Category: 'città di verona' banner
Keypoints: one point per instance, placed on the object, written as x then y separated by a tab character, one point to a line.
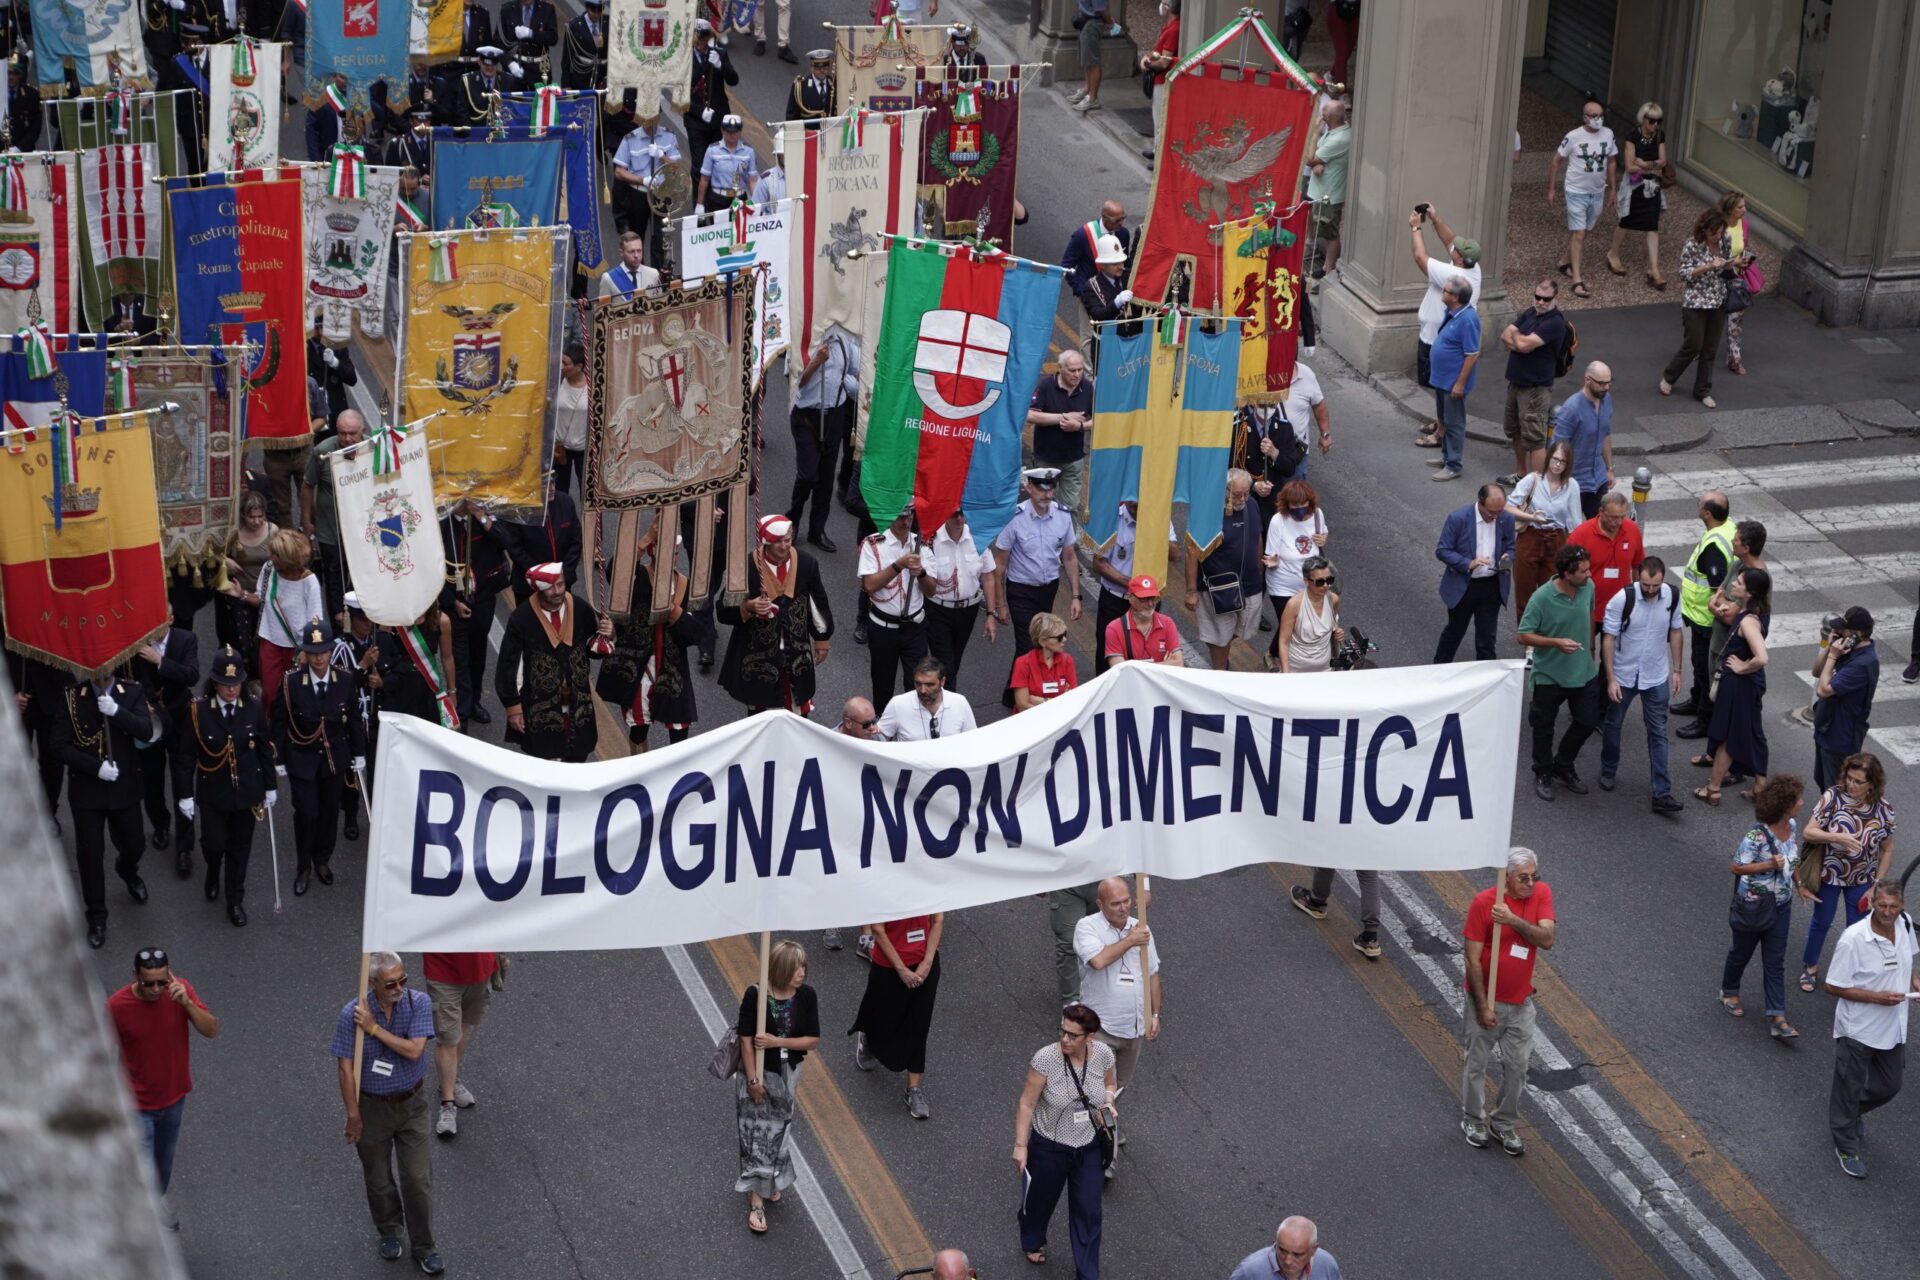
774	822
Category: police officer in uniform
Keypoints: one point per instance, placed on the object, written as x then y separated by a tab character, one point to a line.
964	62
473	99
583	51
223	774
94	733
812	95
707	95
640	164
727	170
317	734
360	660
893	577
1032	554
168	668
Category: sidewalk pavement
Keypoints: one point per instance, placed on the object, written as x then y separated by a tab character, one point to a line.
1807	383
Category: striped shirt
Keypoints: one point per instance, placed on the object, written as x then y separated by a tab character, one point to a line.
382	1071
1058	1114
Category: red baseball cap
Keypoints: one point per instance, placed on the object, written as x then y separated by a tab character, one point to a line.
1144	587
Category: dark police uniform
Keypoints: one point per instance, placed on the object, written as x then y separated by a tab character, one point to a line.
317	733
223	760
85	739
170	682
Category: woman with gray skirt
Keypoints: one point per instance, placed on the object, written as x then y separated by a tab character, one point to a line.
763	1092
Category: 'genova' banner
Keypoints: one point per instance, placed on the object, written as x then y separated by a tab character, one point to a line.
776	823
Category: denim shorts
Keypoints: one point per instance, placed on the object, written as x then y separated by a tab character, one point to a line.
1583	209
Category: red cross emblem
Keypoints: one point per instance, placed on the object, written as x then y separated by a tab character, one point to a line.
968	352
675	375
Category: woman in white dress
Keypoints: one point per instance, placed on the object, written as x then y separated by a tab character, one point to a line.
1310	626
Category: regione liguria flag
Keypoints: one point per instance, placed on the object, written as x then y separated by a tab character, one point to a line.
384	489
958	354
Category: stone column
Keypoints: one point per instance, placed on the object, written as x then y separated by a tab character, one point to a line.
1450	142
1858	261
1051	38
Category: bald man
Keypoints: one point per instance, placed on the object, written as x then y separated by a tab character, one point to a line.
1585	420
1084	245
1111	982
951	1264
1295	1255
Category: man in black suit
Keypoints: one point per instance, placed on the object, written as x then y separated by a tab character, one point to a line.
319	741
95	731
478	571
556	540
532	26
583	58
473	97
707	95
129	321
223	774
23	105
169	668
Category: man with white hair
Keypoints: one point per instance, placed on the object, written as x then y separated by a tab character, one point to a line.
386	1110
952	1264
1296	1253
1504	1015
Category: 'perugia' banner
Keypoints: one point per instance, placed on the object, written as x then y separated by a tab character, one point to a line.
1233	139
1260	279
240	276
960	350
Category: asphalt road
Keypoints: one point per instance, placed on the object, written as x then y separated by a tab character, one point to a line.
1293	1075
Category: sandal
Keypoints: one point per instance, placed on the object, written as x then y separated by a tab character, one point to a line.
1657	282
1747	794
1707	402
1781	1031
1566	268
1709	794
1701	762
1734	366
1427	442
1808	977
1611	266
757	1220
1580	289
1732	1005
1038	1257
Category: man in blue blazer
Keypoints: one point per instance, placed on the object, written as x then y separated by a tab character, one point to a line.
1476	545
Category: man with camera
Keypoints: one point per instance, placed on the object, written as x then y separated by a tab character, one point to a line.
1845	679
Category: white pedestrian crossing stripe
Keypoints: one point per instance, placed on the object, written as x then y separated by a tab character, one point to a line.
1772	478
1902	742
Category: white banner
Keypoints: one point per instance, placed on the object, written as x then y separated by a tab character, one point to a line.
388	531
347	246
707	248
122	188
243	109
774	822
650	50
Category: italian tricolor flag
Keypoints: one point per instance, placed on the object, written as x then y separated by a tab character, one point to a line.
962	341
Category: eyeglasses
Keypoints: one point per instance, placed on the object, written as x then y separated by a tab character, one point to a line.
1543	297
1320	582
150	958
1067	1033
1601	382
151	984
1653	119
862	724
1525	877
933	726
395	984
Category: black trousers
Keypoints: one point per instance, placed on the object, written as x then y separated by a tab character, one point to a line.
226	842
1864	1080
1108	607
53	774
350	806
817	435
91	827
316	819
1701	639
162	816
333	578
1585	706
185	600
1024	600
470	652
1480	606
892	652
948	630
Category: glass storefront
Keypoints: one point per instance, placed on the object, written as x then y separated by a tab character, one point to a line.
1757	77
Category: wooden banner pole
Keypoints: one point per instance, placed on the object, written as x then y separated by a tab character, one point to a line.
766	957
1141	886
359	1032
1493	959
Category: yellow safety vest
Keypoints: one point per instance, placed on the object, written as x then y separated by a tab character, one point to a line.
1695	591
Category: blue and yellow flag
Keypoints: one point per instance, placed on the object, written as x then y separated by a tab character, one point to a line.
486	179
1163	433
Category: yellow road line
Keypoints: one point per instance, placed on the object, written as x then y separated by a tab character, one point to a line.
1745	1203
1611	1244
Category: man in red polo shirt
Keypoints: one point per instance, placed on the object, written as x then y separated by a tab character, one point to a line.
150	1017
1526	929
461	985
1614	543
1143	632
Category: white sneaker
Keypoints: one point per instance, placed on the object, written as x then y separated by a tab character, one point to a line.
462	1096
861	1058
1076	95
1085	105
449	1122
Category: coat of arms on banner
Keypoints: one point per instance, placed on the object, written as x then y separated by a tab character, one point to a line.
194	467
709	246
650	49
391	541
243	105
1260	276
673	395
867	64
477	377
968	169
40	272
390	522
347	246
100	39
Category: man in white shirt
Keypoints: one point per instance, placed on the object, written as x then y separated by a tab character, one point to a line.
957	576
1872	978
892	575
1593	164
929	711
1306	411
1108	944
1461	259
1640	657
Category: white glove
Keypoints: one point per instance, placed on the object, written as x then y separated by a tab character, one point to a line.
523	33
713	56
108	704
329	359
109	771
187	809
271	796
655	150
1123	298
357	763
176	5
280	770
1308	351
516	70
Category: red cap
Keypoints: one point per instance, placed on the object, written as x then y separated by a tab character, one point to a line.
1144	587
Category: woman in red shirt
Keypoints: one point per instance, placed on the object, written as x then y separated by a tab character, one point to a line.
896	1012
1045	671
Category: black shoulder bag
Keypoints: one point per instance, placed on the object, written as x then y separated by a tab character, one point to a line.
1106	1126
1755	916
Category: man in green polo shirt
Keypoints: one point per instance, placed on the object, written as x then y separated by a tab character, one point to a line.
1558	627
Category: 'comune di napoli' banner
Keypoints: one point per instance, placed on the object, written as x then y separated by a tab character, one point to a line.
776	823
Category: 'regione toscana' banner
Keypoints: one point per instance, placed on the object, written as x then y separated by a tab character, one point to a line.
774	822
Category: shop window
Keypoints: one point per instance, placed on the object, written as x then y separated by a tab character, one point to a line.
1756	100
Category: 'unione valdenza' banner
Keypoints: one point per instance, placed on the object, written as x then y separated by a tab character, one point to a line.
776	823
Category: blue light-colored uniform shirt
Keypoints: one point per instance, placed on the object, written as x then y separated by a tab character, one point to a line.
770	187
729	170
382	1071
1585	425
1034	543
838	376
634	153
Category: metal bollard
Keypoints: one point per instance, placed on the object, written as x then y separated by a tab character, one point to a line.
1642	488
